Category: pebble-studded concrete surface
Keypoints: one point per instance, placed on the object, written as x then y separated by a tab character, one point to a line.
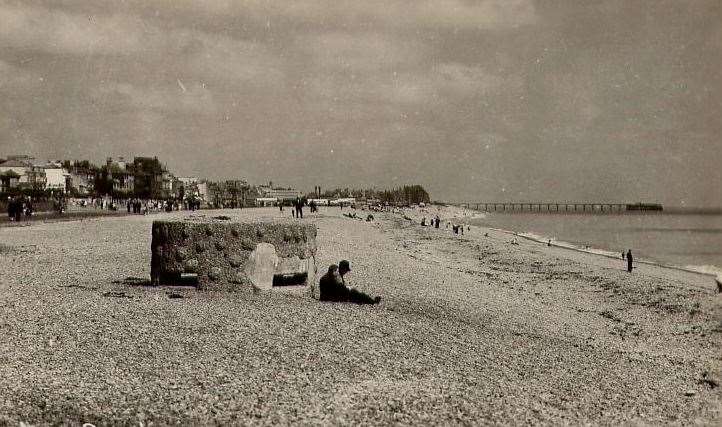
471	330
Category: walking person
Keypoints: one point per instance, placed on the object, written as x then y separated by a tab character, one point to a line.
11	208
19	207
630	259
299	207
29	207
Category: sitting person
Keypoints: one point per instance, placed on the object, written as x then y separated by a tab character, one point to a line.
333	287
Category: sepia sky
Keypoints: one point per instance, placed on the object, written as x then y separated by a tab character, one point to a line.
485	100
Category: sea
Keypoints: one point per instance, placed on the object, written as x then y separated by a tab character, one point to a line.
687	239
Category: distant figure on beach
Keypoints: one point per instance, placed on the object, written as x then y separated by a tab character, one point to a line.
624	256
436	221
299	207
630	259
280	206
333	287
423	221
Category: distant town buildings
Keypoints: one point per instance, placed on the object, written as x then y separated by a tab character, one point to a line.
144	178
278	193
16	172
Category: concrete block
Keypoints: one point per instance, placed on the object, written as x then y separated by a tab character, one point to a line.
227	255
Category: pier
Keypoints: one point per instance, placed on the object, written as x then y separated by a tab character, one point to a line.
560	207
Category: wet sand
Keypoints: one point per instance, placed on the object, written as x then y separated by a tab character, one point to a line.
471	329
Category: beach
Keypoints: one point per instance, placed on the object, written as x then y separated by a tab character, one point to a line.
471	329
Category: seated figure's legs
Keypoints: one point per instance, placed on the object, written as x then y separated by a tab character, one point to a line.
358	297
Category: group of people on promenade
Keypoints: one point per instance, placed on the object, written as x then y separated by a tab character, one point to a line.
19	206
22	206
297	207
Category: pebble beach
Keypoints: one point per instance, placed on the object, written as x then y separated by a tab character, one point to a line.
471	329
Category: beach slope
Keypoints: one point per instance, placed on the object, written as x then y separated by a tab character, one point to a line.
471	329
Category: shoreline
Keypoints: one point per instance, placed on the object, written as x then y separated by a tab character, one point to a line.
702	269
599	252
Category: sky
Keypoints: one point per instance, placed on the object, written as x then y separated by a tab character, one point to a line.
489	100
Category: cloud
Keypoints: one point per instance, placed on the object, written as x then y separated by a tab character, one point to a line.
458	14
37	28
469	80
359	52
220	58
14	78
179	52
195	98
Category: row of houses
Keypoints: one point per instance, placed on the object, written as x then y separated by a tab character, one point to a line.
143	177
23	172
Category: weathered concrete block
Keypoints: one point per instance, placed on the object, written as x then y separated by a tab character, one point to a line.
233	255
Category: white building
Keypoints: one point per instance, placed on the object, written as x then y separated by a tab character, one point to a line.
346	201
56	178
271	192
203	192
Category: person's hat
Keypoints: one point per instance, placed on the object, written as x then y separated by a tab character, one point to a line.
344	265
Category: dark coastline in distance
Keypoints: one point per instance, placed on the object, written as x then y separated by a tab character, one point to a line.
668	210
681	210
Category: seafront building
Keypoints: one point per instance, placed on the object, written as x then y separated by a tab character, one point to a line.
143	178
269	195
17	172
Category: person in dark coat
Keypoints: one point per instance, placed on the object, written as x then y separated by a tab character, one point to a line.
18	211
299	207
332	287
11	208
630	259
